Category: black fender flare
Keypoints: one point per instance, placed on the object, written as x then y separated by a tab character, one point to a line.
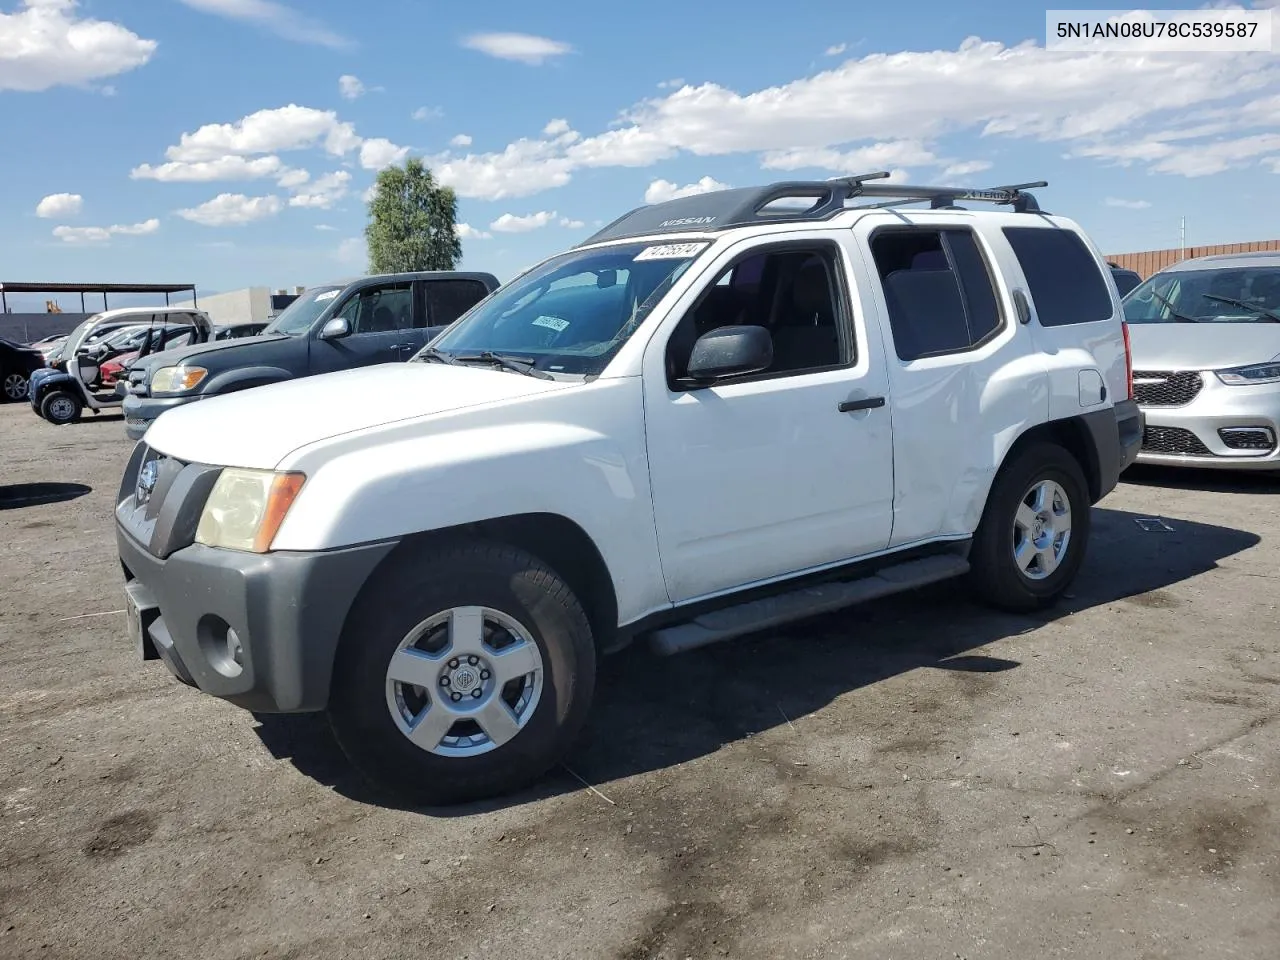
244	378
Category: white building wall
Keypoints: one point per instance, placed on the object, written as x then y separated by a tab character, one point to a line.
250	305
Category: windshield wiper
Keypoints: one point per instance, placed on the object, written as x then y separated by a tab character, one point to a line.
1173	311
431	353
515	364
1244	305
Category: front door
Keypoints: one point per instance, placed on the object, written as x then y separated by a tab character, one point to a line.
381	319
781	472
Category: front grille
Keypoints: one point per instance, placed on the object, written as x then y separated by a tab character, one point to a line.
1173	440
1248	438
1167	389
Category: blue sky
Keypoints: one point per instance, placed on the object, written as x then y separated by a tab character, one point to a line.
216	141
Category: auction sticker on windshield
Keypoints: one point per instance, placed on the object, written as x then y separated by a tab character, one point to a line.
671	251
555	323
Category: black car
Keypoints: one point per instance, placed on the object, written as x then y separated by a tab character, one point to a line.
16	365
376	319
1125	280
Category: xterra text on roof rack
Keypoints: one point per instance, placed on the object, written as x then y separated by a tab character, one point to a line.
717	414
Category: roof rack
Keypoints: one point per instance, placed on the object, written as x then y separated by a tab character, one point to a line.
747	206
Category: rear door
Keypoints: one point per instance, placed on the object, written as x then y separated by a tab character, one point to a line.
381	317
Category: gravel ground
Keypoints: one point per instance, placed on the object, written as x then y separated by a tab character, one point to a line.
916	778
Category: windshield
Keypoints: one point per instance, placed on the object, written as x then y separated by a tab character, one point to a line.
574	312
1230	295
297	318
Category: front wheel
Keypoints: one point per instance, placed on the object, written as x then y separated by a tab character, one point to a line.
61	407
463	673
1034	530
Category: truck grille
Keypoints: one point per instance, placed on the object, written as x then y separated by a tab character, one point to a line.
1167	389
1173	440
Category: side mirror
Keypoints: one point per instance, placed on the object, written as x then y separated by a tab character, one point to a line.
335	329
730	352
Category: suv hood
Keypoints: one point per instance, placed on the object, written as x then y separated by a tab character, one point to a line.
260	427
1202	346
166	358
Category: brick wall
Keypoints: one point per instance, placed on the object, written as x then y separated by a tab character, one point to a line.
1153	261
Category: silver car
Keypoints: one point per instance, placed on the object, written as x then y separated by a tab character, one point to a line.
1205	337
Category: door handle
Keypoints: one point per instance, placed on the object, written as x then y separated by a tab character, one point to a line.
870	403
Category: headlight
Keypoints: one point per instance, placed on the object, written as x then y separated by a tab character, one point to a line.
1254	373
246	507
177	379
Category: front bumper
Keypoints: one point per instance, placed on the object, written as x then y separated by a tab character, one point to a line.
259	630
141	412
1209	430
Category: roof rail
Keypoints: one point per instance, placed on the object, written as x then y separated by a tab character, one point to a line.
746	206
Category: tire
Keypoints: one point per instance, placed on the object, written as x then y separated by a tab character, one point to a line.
61	407
996	576
13	386
371	714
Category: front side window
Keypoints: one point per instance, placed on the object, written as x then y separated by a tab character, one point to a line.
1224	295
382	309
572	313
937	288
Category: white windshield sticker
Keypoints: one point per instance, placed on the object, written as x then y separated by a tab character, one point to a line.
327	295
555	323
671	251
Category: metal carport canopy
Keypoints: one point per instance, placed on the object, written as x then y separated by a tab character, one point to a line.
102	288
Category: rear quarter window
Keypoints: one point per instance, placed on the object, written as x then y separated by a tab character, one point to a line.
447	300
1065	281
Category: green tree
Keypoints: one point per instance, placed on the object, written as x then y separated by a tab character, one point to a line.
412	222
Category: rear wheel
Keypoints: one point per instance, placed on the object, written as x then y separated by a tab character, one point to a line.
1034	530
14	386
61	407
463	675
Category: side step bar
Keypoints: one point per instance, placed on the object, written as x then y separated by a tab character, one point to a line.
804	602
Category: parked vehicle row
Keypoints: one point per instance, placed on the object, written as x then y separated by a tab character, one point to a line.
713	416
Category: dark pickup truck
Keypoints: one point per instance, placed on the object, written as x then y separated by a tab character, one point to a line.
375	319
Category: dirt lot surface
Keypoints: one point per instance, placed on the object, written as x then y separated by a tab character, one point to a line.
918	778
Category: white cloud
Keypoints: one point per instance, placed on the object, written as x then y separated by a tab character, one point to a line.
369	193
911	100
59	205
509	223
326	227
323	192
45	44
268	131
1127	204
350	88
671	84
461	140
520	47
232	209
380	152
875	156
660	191
571	224
352	252
292	179
466	231
279	19
558	128
230	167
966	167
837	49
428	113
103	234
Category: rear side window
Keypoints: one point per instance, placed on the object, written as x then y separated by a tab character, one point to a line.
447	300
1065	281
938	290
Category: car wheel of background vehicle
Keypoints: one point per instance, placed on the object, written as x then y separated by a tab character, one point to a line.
463	673
1034	530
61	407
15	386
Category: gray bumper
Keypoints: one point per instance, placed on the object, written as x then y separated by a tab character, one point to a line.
287	611
141	412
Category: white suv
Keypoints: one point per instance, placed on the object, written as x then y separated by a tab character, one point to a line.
717	414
